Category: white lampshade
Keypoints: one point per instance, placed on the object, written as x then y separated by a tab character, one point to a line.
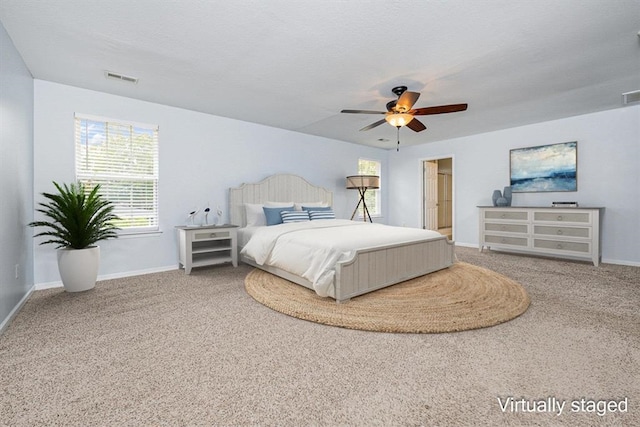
398	119
363	181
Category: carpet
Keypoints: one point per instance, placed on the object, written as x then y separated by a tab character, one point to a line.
459	298
175	349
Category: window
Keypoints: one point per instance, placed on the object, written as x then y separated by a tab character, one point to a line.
371	197
123	158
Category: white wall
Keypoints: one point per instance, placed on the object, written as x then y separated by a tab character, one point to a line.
16	176
201	156
608	175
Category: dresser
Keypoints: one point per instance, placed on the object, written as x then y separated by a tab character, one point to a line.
559	232
207	245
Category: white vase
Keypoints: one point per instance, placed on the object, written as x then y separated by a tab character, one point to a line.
79	268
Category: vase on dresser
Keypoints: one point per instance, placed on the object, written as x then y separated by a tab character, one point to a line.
507	194
496	195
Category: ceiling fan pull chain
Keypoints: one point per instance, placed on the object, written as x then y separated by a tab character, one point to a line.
398	146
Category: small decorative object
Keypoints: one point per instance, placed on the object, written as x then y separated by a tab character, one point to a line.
206	215
564	204
191	219
219	212
502	202
496	195
507	194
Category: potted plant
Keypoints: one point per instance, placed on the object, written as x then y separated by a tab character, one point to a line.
78	219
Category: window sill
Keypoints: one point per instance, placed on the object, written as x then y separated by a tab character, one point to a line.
136	234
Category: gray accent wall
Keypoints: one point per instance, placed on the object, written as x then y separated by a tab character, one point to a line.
16	178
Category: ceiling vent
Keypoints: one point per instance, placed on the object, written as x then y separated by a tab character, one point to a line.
631	97
121	77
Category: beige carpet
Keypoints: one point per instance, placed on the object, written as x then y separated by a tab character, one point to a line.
458	298
169	349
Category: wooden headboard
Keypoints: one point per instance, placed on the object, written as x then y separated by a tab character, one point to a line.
275	188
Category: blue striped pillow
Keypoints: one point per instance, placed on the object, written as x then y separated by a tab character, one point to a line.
324	214
273	214
294	216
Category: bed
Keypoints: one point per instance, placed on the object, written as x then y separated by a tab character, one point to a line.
365	257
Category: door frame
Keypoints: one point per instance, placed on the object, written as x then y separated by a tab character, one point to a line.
453	190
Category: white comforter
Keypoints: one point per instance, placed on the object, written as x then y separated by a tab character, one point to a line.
311	249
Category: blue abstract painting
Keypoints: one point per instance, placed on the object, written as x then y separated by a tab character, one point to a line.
551	167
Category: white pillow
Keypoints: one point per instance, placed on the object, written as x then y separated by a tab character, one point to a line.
255	215
298	206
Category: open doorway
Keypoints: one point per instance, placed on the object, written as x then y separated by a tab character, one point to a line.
438	196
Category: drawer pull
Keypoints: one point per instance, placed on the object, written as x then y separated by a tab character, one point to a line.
559	246
503	216
559	217
559	232
213	234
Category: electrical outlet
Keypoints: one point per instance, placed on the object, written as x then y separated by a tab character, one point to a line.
17	268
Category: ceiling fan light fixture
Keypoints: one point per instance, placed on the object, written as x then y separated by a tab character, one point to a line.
398	119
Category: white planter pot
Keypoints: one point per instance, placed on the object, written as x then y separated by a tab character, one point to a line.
79	268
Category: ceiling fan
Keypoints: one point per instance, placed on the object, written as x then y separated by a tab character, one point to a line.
400	112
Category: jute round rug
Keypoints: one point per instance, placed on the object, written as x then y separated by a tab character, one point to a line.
458	298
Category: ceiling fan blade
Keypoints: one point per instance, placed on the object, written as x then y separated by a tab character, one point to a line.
363	112
440	109
416	125
406	101
373	125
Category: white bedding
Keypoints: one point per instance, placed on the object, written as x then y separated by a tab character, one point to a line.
311	249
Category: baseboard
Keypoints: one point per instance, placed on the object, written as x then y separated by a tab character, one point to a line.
16	309
58	284
603	260
466	245
137	272
618	262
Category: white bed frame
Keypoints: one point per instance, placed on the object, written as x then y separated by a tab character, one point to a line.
370	268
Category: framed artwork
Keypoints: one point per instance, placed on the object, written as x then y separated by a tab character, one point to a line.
550	168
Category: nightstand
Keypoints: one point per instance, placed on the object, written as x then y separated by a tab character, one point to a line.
207	245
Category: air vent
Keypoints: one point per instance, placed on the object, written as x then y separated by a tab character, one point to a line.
122	77
631	97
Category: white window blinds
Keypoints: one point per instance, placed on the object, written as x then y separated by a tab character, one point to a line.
123	158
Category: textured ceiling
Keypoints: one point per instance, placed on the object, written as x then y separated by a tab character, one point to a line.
296	64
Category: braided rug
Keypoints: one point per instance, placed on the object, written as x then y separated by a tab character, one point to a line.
458	298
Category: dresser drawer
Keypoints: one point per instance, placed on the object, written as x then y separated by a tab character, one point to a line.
580	217
558	245
507	228
211	235
506	240
506	214
548	230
